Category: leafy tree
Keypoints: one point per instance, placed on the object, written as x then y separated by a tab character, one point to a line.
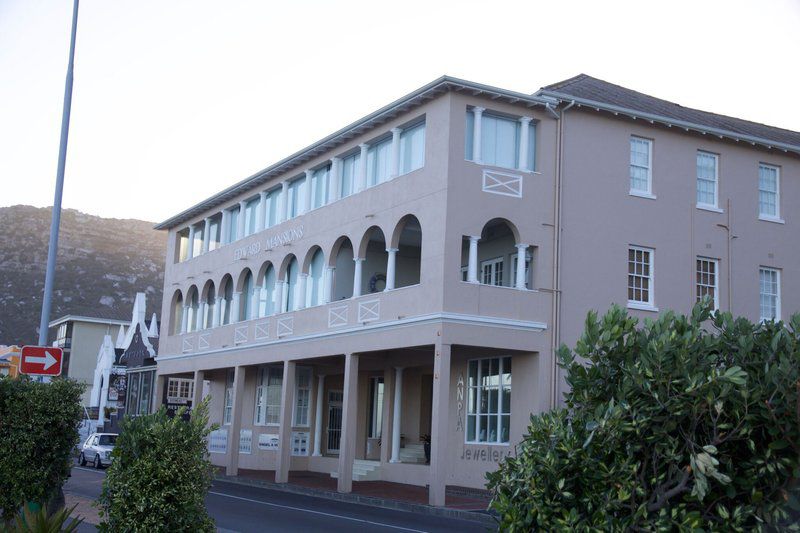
159	475
38	431
686	423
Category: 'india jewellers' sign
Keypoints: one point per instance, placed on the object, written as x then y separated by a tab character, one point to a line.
272	241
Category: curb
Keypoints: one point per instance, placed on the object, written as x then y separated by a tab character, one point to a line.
484	517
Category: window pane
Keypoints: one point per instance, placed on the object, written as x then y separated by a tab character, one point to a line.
499	141
469	134
349	166
412	148
378	162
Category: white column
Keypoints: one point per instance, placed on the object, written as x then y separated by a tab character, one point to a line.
472	266
328	291
256	302
336	179
397	412
361	177
357	277
237	296
300	291
225	227
390	268
394	166
307	192
283	203
318	416
262	202
206	234
185	319
190	253
280	288
200	314
476	134
522	250
523	143
240	229
284	455
215	314
440	424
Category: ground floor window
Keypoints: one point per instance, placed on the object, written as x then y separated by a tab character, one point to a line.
302	396
180	390
268	396
769	293
375	407
227	410
706	280
140	392
489	400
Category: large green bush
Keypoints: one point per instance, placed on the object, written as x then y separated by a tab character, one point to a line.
38	430
159	475
687	422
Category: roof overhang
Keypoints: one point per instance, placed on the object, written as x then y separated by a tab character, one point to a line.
670	122
415	99
91	320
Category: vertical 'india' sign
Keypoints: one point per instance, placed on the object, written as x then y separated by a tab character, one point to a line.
272	241
460	402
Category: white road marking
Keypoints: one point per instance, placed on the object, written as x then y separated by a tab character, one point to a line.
317	512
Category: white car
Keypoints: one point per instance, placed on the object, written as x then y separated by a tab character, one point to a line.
97	449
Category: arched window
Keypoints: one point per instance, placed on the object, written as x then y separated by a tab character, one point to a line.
246	302
343	265
193	309
226	291
266	304
407	248
289	294
177	313
373	269
210	302
497	257
314	284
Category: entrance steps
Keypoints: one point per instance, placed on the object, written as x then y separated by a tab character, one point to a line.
364	470
413	453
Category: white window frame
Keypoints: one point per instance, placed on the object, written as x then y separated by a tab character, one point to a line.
715	287
261	405
296	409
777	295
499	413
180	389
765	216
702	205
493	263
648	193
648	305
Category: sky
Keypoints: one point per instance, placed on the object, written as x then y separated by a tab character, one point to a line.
176	100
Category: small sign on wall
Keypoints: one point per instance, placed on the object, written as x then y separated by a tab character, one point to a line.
218	441
268	441
300	443
246	441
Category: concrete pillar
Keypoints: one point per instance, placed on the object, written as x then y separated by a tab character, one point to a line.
394	161
190	252
397	413
199	379
235	304
524	123
391	262
472	265
285	433
307	192
347	448
283	202
439	423
225	227
240	229
185	319
327	284
262	203
206	234
300	291
361	175
216	312
522	251
318	415
158	394
357	276
236	421
336	179
476	134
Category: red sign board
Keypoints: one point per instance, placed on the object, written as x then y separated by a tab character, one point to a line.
41	360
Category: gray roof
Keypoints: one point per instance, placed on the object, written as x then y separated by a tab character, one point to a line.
589	90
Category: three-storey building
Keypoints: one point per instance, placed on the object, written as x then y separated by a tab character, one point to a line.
378	289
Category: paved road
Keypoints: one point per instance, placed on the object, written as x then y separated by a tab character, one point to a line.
244	509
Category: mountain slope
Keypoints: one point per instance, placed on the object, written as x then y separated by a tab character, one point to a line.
102	263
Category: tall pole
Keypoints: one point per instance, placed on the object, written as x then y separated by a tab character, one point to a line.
62	161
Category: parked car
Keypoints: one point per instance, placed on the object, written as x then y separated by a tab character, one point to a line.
97	449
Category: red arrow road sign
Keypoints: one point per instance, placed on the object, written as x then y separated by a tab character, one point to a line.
41	360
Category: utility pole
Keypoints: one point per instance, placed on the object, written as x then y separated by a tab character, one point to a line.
52	250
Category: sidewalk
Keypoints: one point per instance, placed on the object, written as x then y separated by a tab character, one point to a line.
84	510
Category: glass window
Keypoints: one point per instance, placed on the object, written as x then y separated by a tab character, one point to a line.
768	191
320	182
292	272
770	294
227	301
233	224
640	165
499	141
376	407
214	226
489	400
302	396
492	272
271	217
412	148
706	179
183	245
197	241
378	162
268	396
227	410
266	303
640	276
706	280
246	299
250	210
134	379
349	169
179	390
146	393
295	198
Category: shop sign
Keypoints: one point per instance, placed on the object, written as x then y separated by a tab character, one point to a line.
272	241
268	441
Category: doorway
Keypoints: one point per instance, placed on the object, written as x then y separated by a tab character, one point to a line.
335	398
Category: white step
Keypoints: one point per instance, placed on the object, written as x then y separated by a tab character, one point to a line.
364	470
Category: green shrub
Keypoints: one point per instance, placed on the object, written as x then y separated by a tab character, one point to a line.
159	475
38	431
29	521
670	426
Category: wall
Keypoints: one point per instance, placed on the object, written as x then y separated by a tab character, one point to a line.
87	338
